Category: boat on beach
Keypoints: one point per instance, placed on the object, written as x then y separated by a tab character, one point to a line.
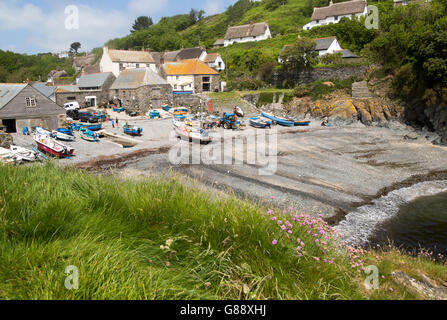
193	134
133	130
63	134
298	122
259	123
49	145
89	135
278	120
92	127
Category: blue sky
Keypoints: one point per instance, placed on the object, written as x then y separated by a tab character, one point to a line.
31	26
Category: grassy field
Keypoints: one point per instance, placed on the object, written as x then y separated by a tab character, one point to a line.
157	239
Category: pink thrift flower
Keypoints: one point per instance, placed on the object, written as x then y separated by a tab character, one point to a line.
274	242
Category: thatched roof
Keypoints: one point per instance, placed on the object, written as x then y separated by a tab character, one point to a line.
339	9
248	30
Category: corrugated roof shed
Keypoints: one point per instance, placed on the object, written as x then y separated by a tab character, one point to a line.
339	9
188	67
93	80
135	78
248	30
9	91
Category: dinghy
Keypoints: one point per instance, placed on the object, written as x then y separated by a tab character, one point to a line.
63	134
24	154
278	120
49	145
298	122
259	123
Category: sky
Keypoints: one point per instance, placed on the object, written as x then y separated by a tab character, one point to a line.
31	26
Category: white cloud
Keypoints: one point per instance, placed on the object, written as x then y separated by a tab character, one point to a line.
213	6
143	7
46	30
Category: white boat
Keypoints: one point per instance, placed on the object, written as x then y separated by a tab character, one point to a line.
62	136
193	134
24	154
40	130
6	156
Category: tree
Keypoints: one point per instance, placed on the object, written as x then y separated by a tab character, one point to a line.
195	15
142	23
74	47
300	55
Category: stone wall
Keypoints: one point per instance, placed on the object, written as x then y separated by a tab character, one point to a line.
198	82
315	74
144	98
102	97
186	100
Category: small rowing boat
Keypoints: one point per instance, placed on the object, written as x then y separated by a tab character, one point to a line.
259	123
63	134
193	135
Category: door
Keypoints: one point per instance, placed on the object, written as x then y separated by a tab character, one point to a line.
10	125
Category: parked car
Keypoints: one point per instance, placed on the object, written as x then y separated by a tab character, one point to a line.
74	114
71	106
88	117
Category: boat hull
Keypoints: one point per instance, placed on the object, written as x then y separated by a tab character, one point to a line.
60	154
278	120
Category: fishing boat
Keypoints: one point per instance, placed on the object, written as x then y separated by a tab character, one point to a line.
40	130
23	154
259	123
49	145
178	123
89	135
76	126
278	120
119	110
166	107
153	114
63	134
180	111
133	130
196	135
298	122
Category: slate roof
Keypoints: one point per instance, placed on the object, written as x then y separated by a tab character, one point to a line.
9	91
42	87
188	67
67	88
190	53
324	43
248	30
131	56
135	78
339	9
91	69
93	80
346	54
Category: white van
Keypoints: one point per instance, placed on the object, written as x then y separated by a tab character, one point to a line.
71	106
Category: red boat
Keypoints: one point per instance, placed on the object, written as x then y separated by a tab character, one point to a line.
51	146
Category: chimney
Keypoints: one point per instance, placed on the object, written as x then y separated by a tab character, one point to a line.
162	60
331	3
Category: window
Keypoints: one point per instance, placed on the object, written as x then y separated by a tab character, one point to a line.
121	66
148	65
206	79
71	98
177	77
318	21
138	65
336	18
175	86
31	102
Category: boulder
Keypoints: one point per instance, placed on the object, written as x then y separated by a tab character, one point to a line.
5	140
342	112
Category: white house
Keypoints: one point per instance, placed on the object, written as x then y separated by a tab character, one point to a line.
247	33
116	61
215	61
327	45
335	12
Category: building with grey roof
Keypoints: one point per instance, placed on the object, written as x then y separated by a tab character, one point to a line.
247	33
139	90
22	105
47	90
92	90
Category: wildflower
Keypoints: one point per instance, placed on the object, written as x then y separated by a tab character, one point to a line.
269	212
289	231
283	227
274	242
272	198
291	209
391	289
274	218
279	222
317	259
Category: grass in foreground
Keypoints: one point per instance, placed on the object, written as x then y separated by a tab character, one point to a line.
155	239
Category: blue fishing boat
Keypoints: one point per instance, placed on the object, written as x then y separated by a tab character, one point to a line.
133	130
298	122
278	120
63	134
259	123
166	108
92	127
89	135
154	114
119	109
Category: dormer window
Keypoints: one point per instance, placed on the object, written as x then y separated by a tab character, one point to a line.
336	18
31	102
